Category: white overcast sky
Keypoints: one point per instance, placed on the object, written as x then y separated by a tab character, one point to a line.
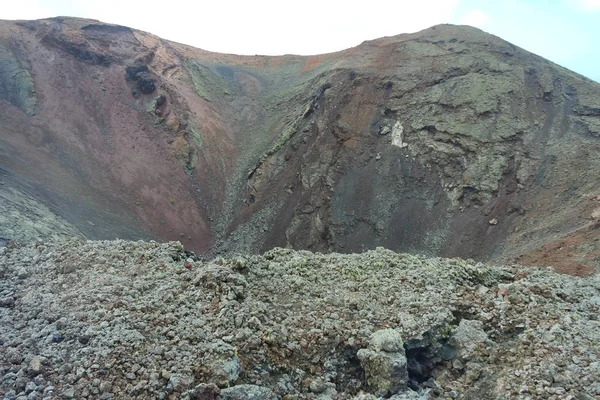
564	31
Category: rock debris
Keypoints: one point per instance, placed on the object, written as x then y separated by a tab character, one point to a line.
145	320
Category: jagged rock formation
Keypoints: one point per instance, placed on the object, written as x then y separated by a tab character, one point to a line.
448	141
140	320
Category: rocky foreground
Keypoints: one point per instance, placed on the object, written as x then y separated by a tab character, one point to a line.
139	320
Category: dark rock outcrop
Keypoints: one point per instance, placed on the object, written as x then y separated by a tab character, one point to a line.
141	75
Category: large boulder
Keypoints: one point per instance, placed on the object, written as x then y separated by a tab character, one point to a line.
468	337
384	362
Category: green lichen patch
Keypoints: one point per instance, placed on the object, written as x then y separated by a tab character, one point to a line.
16	84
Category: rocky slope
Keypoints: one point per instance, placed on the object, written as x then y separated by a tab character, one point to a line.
448	142
142	320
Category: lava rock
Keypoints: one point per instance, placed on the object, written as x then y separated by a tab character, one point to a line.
204	391
248	392
57	337
385	363
7	302
467	337
35	367
180	382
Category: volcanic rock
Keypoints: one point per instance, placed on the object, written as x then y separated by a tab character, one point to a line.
384	363
292	323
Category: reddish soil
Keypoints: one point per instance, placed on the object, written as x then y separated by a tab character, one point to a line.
570	255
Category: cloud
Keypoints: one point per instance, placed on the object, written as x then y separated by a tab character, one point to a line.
591	4
584	5
475	18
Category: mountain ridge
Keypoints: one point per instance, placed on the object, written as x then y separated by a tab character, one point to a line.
447	141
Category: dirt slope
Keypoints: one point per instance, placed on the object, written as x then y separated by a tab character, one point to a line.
449	141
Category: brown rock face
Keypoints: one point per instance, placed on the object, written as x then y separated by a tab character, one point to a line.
415	142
